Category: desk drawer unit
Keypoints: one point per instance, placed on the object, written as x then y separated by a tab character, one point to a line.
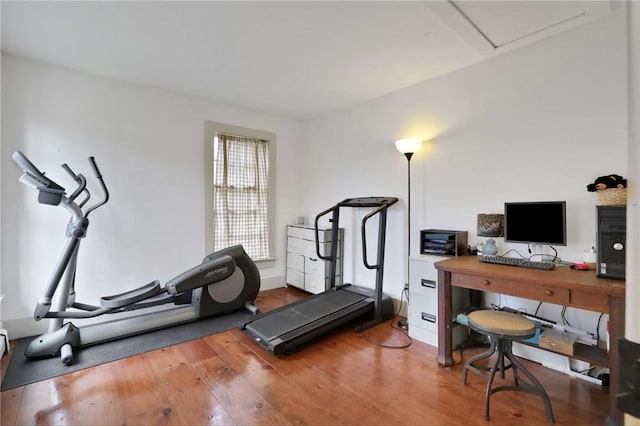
304	269
544	293
423	301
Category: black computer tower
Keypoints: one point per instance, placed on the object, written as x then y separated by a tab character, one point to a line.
612	230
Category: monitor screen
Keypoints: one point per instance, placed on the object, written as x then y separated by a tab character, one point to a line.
542	222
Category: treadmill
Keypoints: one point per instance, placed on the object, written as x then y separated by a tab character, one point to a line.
283	330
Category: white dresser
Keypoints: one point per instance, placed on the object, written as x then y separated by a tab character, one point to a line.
304	269
423	301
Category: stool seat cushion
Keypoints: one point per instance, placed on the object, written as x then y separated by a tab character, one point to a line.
503	323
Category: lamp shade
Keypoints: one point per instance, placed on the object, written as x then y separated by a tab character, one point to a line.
408	146
490	225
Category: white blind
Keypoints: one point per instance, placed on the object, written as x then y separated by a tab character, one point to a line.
241	194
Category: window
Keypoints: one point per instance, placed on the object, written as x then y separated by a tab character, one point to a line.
240	202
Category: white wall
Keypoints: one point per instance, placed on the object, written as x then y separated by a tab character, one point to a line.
149	145
539	123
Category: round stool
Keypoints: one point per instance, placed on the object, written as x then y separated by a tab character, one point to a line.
503	328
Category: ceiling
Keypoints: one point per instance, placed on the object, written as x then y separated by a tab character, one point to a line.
296	59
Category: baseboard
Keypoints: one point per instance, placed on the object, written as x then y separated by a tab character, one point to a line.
24	327
269	283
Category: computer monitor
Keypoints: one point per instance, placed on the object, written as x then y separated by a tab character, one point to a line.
539	222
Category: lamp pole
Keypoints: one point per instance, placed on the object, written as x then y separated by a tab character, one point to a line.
408	147
408	155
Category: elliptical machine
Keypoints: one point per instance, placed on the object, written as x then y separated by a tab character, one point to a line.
225	281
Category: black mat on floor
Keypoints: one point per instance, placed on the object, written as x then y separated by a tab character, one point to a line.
22	371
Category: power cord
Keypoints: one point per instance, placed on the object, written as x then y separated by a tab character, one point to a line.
598	328
563	317
538	308
392	322
402	323
554	257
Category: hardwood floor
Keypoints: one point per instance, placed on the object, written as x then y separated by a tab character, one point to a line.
342	378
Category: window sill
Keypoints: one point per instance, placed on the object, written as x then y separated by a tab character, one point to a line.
265	262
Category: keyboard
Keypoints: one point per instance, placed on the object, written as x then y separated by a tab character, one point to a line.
512	261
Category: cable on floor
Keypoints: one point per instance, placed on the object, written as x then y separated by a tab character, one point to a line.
392	323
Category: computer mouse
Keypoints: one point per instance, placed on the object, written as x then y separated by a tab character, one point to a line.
579	266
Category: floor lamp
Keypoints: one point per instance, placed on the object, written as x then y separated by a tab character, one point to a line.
408	147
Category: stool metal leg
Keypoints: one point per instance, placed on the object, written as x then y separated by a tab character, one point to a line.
492	375
537	387
503	349
509	355
501	339
502	367
469	364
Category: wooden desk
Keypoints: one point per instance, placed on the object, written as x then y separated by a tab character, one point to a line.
561	286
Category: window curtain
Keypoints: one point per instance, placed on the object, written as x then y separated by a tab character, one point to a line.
241	194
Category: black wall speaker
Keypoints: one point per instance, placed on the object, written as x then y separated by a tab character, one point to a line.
612	232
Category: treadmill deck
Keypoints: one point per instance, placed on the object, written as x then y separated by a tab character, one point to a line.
283	329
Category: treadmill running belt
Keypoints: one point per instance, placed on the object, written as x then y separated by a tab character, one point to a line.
287	327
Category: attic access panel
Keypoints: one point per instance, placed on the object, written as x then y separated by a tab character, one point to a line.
490	26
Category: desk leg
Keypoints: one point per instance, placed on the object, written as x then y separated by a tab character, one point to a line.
616	329
444	357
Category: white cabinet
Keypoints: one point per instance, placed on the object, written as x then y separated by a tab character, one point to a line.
304	269
423	301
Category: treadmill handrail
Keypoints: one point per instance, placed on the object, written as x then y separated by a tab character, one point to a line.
364	234
317	232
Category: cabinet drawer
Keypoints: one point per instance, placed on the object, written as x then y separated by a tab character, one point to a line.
310	234
423	278
426	321
590	300
314	285
295	262
423	302
426	270
324	235
296	232
310	249
314	266
295	245
550	294
423	312
295	278
424	286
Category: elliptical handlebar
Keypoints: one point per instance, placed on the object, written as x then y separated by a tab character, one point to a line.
82	185
94	166
50	191
66	167
96	171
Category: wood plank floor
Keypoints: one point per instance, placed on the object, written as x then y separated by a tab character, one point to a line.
341	379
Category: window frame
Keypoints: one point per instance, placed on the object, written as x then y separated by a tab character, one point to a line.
212	128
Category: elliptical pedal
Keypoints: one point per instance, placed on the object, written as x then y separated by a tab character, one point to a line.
132	296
